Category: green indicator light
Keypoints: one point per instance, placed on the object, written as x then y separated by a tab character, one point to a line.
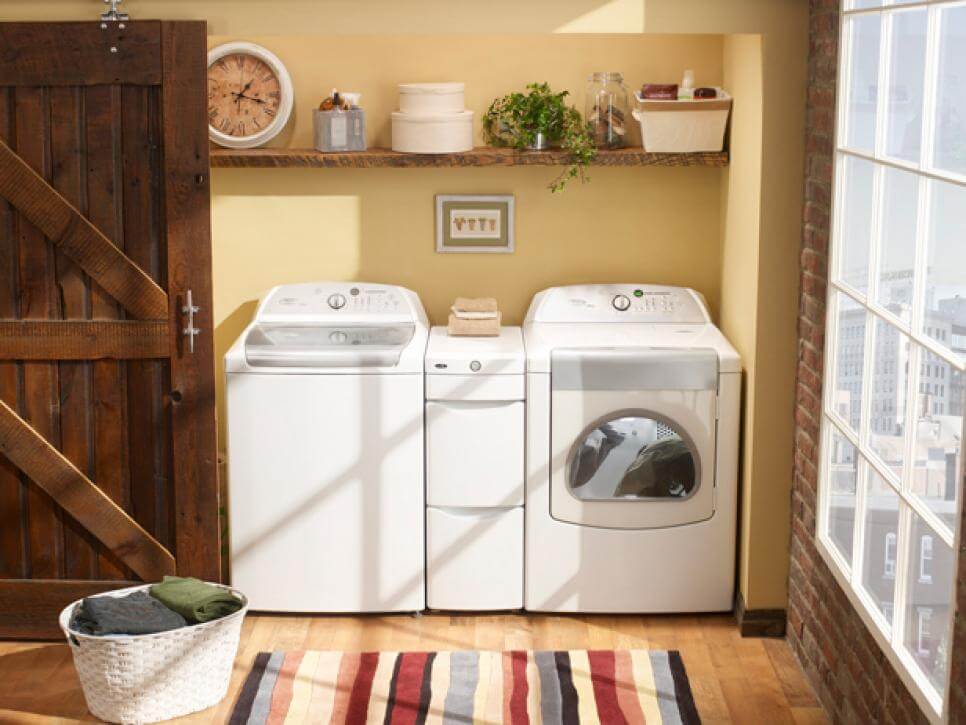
638	293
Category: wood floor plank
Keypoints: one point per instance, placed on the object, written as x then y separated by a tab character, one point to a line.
734	680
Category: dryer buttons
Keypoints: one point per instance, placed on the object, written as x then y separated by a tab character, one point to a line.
475	366
337	301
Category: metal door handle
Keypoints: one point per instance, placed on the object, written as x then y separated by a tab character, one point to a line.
191	332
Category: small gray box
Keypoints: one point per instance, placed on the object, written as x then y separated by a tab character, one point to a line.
340	130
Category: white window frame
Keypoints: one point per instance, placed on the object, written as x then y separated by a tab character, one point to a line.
889	637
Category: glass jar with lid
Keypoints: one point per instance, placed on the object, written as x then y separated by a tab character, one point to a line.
607	109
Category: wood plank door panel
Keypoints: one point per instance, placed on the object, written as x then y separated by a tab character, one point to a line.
107	431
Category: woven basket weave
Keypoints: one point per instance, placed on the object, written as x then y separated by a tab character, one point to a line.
151	677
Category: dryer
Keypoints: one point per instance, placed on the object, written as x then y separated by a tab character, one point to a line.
325	399
632	452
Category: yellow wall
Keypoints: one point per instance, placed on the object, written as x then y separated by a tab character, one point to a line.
732	234
766	279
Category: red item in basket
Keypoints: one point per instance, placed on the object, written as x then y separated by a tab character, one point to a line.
660	91
705	93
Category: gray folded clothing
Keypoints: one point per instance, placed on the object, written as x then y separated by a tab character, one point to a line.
137	613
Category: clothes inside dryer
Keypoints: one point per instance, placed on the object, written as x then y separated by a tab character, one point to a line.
632	457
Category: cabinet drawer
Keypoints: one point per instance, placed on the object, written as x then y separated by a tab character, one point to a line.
474	559
475	387
474	453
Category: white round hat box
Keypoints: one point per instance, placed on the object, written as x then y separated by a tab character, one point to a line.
431	98
441	133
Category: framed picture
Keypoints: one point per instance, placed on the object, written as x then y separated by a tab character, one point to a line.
474	223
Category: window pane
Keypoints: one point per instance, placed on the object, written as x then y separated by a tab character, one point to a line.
938	445
841	501
950	144
860	102
856	222
900	199
907	67
881	537
849	360
929	588
945	316
889	391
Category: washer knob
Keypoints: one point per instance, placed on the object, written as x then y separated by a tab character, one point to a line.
621	303
337	301
338	337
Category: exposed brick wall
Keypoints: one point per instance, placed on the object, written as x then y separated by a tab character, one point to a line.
851	676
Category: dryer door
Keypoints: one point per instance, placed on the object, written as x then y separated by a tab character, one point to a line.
633	437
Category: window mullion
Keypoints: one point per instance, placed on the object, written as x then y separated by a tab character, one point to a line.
928	138
909	425
899	618
882	88
858	533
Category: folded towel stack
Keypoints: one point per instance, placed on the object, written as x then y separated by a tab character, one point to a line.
175	602
474	317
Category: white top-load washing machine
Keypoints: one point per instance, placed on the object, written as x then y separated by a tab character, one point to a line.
632	452
325	450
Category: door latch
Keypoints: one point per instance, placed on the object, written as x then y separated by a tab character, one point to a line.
191	332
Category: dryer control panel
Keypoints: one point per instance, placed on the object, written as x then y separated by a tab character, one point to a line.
619	303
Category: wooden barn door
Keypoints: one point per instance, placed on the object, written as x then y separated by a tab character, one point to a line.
107	423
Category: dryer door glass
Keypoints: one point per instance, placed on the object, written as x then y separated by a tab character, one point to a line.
632	457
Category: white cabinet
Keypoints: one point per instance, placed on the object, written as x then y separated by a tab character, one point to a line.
475	431
474	453
474	558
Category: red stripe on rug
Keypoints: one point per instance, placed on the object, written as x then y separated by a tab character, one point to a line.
627	688
348	668
602	671
358	705
409	682
521	689
282	695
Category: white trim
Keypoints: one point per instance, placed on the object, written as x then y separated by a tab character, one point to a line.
284	106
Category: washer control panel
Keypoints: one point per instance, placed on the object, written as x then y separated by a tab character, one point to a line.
619	303
335	300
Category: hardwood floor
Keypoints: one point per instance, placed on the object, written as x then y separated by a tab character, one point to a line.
734	680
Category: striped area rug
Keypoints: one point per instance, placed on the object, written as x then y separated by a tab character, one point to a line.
412	688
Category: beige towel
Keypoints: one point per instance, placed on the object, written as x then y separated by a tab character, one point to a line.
479	304
459	327
464	315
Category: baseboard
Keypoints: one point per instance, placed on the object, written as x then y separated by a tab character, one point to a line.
759	622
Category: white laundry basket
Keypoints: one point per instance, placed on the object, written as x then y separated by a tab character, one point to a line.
151	677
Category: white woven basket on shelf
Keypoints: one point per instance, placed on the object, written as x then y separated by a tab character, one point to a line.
151	677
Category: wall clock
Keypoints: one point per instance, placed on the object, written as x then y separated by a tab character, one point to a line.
249	95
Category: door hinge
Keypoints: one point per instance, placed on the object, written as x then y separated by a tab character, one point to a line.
191	332
112	14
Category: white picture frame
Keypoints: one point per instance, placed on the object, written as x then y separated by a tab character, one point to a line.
475	223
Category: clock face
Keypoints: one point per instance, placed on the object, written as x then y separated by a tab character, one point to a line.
244	95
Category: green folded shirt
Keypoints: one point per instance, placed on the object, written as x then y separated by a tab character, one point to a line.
194	599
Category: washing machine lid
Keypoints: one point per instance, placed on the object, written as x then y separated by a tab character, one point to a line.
280	345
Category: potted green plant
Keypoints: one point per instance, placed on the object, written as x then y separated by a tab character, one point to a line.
538	120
